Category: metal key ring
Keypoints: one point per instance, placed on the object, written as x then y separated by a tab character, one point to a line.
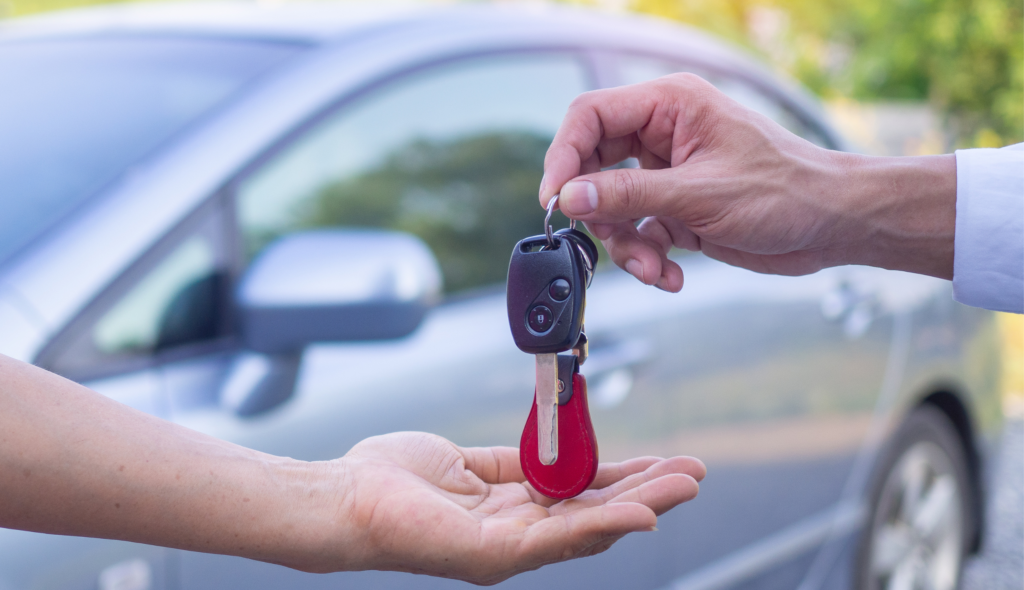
547	222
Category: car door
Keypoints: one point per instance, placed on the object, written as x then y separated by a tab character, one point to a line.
451	152
772	381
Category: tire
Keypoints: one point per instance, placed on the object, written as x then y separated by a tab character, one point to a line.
921	517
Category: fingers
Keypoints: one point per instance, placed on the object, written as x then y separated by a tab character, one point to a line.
494	465
635	255
645	256
659	113
663	493
691	466
570	535
650	160
670	276
609	473
622	194
603	231
612	150
602	115
652	484
670	230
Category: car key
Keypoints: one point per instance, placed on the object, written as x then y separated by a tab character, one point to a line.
546	299
546	296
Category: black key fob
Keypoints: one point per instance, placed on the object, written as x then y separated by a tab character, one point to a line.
546	294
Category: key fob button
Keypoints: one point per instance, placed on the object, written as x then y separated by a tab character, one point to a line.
540	318
559	289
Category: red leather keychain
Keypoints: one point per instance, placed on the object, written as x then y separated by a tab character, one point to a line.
576	466
548	277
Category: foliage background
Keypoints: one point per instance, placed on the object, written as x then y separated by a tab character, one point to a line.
965	57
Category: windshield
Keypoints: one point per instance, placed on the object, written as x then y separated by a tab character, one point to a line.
77	113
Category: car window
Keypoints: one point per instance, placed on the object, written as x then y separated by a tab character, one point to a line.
452	153
162	309
633	69
75	114
175	300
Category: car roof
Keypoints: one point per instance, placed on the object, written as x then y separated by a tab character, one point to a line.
308	22
324	23
334	23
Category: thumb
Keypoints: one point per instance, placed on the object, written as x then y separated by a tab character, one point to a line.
618	195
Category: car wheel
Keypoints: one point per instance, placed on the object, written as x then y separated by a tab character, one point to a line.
920	518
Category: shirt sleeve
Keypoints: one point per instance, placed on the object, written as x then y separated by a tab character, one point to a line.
988	250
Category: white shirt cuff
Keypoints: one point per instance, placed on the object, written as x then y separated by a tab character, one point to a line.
988	256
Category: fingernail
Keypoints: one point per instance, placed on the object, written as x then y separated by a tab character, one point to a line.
578	197
636	269
661	285
650	530
543	181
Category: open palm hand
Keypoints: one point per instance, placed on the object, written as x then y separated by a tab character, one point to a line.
424	505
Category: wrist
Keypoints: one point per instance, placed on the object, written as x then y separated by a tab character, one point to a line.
310	527
896	213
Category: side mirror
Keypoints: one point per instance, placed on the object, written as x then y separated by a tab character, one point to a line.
336	286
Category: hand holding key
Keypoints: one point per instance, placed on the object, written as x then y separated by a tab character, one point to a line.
720	178
423	505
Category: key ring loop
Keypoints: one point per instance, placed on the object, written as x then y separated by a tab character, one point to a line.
547	222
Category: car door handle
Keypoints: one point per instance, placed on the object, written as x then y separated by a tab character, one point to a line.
852	305
610	369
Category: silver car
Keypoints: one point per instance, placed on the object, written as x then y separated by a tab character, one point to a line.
288	226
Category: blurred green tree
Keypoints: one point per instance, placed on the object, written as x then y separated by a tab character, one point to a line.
23	7
966	57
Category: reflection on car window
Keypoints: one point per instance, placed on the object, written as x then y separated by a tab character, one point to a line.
635	69
166	307
453	154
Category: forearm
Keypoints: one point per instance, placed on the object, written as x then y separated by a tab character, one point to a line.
899	213
77	463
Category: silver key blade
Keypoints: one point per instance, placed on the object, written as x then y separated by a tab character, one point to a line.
547	408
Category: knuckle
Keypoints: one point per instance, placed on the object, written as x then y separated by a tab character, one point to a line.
684	79
685	83
714	229
629	190
584	100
